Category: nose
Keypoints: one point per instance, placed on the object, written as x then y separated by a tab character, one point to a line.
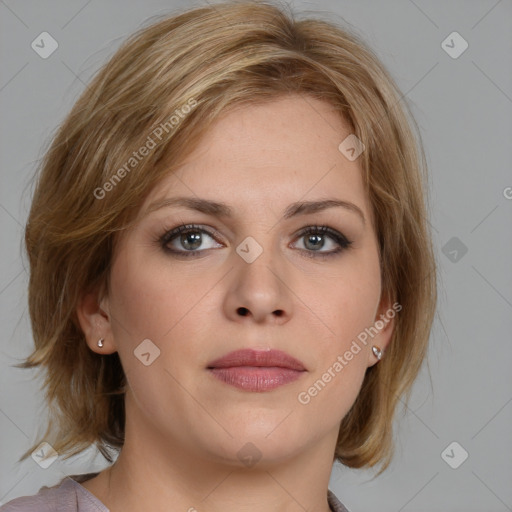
260	291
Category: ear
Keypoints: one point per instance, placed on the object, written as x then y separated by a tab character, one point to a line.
95	320
384	324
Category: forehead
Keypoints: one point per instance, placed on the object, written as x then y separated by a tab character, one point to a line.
272	153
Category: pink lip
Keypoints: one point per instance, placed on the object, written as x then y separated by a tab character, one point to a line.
253	370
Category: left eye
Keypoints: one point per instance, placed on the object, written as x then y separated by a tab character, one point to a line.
315	238
190	237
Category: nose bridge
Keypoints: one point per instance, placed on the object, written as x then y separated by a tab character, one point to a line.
258	261
260	243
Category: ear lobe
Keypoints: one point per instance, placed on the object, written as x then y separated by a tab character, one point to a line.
385	324
95	322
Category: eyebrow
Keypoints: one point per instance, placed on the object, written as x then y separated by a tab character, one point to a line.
220	210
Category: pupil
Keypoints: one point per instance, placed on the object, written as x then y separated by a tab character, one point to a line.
318	239
191	236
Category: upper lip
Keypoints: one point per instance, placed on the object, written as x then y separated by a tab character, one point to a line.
250	357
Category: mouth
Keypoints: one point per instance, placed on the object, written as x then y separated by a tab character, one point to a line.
258	371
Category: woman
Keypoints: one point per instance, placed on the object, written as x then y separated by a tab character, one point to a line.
232	282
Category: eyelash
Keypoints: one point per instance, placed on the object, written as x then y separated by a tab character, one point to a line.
169	235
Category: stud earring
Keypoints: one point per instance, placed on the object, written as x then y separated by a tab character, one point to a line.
100	342
377	352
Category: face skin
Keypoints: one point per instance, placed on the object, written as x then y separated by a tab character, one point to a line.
184	428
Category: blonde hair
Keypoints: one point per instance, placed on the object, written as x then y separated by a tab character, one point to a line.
211	59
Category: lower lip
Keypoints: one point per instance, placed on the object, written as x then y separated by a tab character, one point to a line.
256	378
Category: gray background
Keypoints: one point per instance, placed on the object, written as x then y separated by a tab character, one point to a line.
464	109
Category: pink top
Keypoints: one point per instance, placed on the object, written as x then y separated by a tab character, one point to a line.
69	496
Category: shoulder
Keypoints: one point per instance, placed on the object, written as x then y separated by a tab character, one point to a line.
334	503
46	500
65	496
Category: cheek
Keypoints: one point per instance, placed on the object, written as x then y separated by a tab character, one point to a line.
347	309
144	306
147	301
152	301
341	357
347	302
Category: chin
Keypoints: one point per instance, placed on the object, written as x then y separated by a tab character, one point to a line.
261	445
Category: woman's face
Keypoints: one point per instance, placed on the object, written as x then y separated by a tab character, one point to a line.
249	280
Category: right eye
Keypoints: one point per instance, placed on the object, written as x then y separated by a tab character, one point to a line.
189	237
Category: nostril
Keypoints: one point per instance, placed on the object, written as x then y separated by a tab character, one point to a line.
243	311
